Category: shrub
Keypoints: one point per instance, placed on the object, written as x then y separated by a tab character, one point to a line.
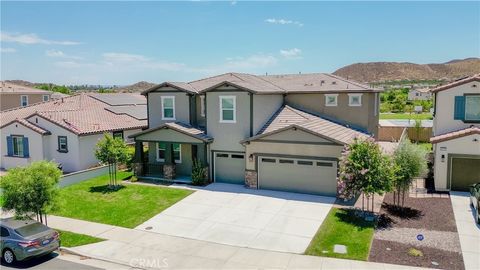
198	173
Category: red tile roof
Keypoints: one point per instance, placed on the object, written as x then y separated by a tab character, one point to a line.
455	134
80	114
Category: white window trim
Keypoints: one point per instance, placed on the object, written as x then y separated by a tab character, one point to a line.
21	100
163	110
158	148
13	145
202	106
331	95
43	98
180	154
234	109
162	159
350	96
465	116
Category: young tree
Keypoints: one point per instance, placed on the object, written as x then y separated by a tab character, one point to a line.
364	168
111	151
31	189
410	160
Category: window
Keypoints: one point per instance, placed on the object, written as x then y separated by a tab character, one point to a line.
324	164
162	150
222	155
62	144
331	99
354	99
227	109
286	161
472	108
4	232
168	108
202	106
17	146
118	134
238	156
303	162
270	160
23	101
45	98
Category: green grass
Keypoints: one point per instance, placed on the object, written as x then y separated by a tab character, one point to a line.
421	116
70	239
343	228
129	206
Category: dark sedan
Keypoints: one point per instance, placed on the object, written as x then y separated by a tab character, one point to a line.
24	239
475	200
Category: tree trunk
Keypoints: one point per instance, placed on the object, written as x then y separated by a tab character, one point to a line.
46	223
373	203
41	217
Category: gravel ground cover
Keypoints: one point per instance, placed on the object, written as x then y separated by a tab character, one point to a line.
424	234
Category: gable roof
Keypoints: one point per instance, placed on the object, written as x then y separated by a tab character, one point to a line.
81	114
271	84
288	117
455	134
180	127
474	78
10	88
31	126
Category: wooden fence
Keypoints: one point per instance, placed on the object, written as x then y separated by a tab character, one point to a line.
387	133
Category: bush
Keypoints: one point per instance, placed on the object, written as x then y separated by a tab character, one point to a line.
198	173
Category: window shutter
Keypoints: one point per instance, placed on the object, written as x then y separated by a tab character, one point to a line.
459	111
26	152
9	146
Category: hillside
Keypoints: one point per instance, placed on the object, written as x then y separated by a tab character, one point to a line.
136	87
390	71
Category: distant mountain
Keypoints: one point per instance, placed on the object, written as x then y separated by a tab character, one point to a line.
391	71
136	87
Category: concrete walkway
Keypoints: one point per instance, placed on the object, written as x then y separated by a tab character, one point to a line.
468	230
149	250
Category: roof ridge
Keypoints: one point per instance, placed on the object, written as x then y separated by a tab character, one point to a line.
348	81
263	79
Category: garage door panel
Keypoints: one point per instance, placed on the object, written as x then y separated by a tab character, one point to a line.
465	172
230	168
298	175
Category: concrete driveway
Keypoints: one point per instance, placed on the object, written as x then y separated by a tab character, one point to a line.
468	230
233	215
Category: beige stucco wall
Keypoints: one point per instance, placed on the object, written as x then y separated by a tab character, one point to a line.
264	107
365	116
464	145
35	145
10	101
182	112
201	120
445	105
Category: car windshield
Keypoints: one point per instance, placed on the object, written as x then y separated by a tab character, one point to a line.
31	229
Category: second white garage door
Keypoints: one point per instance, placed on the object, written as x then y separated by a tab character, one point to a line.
298	175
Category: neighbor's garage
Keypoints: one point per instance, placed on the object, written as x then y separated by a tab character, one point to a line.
311	176
229	168
465	172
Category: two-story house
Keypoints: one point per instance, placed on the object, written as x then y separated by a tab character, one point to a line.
456	134
280	132
14	96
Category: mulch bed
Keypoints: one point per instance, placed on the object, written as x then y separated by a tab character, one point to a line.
399	255
425	214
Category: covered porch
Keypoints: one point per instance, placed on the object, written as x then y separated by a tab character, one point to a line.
168	152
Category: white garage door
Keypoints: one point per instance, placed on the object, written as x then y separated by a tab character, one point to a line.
229	168
298	175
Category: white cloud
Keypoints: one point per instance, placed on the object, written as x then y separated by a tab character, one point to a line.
32	39
124	57
294	53
233	3
283	22
8	50
251	62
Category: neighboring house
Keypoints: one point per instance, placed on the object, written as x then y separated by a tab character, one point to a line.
456	130
67	130
419	94
14	96
280	132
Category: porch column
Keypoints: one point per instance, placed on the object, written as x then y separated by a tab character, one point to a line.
138	163
169	171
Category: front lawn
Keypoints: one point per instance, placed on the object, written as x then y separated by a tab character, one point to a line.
129	206
342	227
70	239
413	116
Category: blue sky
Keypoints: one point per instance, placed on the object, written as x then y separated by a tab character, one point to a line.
125	42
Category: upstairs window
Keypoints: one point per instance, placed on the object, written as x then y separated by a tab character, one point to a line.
227	109
62	144
354	100
45	98
168	108
23	101
331	99
472	108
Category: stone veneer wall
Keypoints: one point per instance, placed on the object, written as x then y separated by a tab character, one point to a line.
251	179
169	171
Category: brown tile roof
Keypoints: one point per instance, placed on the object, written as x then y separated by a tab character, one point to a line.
10	88
81	114
289	117
455	134
31	126
456	83
182	128
289	83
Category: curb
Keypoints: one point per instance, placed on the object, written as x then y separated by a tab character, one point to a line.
76	253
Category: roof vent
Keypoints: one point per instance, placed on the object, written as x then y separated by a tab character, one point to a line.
334	82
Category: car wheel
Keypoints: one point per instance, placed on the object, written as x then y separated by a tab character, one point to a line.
8	256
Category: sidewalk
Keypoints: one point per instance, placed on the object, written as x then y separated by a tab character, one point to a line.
149	250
